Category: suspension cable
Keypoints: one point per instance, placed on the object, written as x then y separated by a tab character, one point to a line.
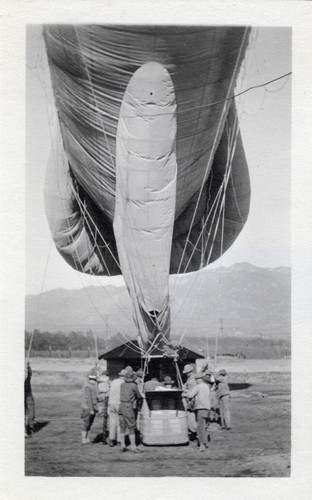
222	189
221	101
216	138
72	240
39	304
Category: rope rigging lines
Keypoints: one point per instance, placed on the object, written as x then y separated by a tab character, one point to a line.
87	104
57	157
217	211
231	98
215	142
222	189
39	304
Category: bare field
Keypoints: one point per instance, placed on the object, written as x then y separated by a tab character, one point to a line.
257	446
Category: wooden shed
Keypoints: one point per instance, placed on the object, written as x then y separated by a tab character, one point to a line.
159	365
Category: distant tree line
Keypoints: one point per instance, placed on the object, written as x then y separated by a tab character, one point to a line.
242	347
77	341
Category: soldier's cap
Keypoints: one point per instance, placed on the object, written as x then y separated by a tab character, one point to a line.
92	374
187	369
222	372
130	377
140	373
168	380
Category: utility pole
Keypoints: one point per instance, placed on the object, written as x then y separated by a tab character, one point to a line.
216	343
106	332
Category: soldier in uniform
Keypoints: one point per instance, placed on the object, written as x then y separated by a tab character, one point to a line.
89	405
29	403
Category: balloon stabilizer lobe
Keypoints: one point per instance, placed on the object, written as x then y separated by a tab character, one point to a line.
146	173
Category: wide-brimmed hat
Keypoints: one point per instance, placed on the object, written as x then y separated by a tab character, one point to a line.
122	373
187	369
92	374
168	380
198	376
130	377
222	372
140	373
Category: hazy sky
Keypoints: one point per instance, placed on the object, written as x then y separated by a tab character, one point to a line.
265	125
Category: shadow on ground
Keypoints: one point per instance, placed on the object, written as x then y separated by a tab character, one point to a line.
40	425
239	386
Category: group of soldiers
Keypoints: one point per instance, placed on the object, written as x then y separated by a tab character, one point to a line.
206	397
117	400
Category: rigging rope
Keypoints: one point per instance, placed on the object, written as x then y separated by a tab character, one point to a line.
96	350
39	304
221	210
84	211
215	209
179	378
51	119
105	135
214	145
192	310
195	276
221	100
133	347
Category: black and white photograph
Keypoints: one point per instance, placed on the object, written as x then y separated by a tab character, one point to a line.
154	164
161	296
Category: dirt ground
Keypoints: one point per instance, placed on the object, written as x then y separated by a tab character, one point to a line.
257	446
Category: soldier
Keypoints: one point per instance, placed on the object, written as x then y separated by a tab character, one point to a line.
188	384
129	395
169	383
89	405
201	395
103	392
190	377
113	408
29	403
224	394
151	385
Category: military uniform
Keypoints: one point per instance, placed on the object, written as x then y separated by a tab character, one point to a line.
224	395
29	403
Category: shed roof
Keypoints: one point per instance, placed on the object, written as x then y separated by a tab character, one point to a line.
131	350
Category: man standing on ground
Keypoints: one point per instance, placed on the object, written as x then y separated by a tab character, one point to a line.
29	403
201	395
224	394
103	393
113	408
189	384
129	395
89	405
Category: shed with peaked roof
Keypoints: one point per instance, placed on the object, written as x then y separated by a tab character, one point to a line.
160	364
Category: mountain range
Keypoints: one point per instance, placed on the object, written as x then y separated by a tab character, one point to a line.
241	300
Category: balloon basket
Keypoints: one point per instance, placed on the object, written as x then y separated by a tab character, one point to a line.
160	425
